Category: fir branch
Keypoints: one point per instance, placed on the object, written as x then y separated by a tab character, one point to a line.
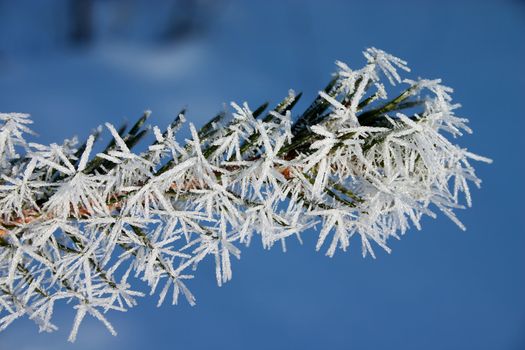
82	226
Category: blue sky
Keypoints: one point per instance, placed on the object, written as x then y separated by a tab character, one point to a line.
440	288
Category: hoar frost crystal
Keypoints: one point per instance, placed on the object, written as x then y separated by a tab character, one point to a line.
357	166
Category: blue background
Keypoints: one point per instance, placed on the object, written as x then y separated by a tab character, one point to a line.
440	288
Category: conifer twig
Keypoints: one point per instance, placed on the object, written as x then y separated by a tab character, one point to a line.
83	226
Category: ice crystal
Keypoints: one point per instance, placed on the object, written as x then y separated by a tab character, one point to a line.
82	226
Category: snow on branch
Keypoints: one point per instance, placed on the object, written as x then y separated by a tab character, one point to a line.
83	227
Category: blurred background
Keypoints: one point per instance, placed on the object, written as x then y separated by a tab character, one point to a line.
74	64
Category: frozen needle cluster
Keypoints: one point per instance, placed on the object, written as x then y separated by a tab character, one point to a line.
84	227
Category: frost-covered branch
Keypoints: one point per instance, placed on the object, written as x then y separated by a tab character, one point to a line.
82	226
